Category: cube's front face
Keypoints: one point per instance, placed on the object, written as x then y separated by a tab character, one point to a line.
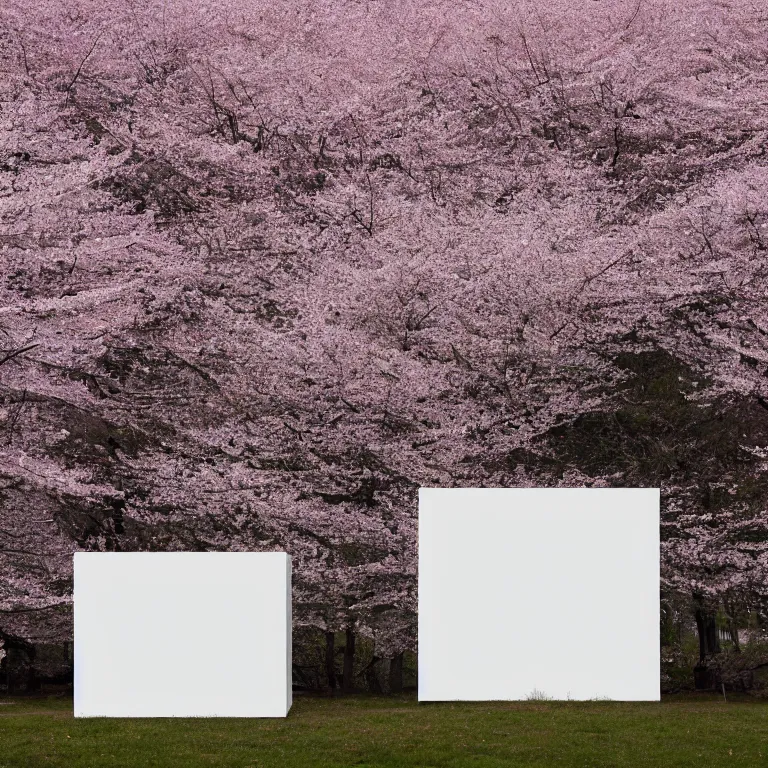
538	593
182	634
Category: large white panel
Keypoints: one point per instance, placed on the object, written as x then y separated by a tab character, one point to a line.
525	593
182	634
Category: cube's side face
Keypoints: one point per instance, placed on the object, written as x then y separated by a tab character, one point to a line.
288	634
533	593
182	634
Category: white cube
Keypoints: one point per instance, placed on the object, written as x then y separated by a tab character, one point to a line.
539	593
182	634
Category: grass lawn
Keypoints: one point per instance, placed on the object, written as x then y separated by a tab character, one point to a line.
693	730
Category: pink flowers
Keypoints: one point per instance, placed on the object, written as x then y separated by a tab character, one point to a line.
275	268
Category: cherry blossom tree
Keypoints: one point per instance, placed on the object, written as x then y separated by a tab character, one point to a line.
268	268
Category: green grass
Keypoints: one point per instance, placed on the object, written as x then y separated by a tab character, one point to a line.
693	730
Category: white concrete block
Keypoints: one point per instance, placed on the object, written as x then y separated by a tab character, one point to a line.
182	634
538	593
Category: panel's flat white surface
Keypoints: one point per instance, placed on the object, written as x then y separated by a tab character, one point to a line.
182	634
526	592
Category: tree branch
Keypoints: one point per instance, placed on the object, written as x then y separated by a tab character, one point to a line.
17	352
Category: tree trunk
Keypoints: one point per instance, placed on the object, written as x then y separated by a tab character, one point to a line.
33	682
396	674
709	644
8	677
347	683
733	628
371	678
733	625
704	678
330	659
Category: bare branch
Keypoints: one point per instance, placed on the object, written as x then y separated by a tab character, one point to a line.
80	69
17	352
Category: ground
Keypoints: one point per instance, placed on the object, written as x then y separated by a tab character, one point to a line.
683	730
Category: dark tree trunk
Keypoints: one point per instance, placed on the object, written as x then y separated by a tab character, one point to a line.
734	630
371	678
733	625
330	659
709	644
704	678
347	683
7	663
396	674
33	682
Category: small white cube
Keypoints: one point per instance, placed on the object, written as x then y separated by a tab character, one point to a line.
539	593
182	634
